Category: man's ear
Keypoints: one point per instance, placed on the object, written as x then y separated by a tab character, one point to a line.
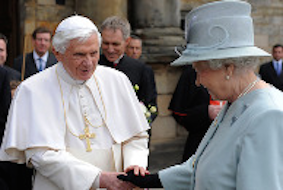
57	54
33	42
128	41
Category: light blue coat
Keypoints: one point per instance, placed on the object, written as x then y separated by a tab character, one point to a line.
242	150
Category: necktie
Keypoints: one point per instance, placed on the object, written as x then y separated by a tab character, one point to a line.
278	68
40	68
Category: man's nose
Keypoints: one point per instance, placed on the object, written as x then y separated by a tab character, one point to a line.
110	48
87	59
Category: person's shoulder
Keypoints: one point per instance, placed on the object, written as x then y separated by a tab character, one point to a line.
148	71
269	98
105	71
265	65
19	58
147	67
52	57
4	76
42	82
14	74
276	96
3	71
41	78
267	104
134	62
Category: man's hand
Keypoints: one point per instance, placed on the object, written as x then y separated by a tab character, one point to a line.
137	170
110	181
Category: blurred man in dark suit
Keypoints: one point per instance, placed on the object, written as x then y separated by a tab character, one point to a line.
115	38
13	74
40	58
134	47
271	72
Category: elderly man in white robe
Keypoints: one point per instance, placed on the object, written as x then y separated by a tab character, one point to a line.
78	124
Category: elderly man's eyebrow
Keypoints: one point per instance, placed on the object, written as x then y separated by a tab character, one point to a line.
79	54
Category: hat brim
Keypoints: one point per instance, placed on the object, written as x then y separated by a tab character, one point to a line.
221	54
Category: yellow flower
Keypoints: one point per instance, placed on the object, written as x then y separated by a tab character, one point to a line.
136	87
147	114
153	109
148	110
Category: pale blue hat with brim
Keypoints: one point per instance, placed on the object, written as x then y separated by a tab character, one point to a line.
219	30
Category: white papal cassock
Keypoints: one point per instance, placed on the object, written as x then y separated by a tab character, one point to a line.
40	134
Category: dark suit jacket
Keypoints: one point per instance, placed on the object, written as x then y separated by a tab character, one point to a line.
5	99
140	74
31	65
269	75
13	74
189	105
12	176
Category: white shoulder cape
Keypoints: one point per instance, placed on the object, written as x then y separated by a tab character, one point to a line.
36	116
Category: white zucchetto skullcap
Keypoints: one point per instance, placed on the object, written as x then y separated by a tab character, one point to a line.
76	22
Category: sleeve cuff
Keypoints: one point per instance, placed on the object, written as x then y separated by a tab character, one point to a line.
96	183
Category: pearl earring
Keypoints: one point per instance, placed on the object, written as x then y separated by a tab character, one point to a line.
227	77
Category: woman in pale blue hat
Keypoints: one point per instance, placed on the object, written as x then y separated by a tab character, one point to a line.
242	150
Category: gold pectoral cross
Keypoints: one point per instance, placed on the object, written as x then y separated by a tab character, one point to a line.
87	136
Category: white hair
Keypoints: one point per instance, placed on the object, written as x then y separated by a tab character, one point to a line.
241	64
62	39
117	23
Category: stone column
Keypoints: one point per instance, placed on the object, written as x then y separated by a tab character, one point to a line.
155	13
157	22
99	10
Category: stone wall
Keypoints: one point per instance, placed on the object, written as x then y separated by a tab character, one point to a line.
34	13
99	10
